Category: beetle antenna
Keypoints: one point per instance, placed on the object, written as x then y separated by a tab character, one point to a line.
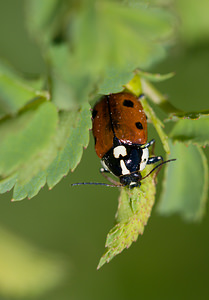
162	163
93	183
114	185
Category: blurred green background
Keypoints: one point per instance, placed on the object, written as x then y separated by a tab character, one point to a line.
50	246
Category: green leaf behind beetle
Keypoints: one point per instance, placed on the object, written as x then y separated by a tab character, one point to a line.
98	54
192	131
71	136
185	185
39	16
193	115
24	136
29	189
7	183
69	157
15	91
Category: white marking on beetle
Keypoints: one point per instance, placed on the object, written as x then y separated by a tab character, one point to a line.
125	171
144	159
119	150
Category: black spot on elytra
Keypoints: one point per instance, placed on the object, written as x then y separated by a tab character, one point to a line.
128	103
139	125
94	113
95	140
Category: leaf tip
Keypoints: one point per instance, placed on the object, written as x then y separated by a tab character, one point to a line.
101	263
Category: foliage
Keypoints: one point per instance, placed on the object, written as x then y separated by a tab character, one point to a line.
45	122
186	197
134	209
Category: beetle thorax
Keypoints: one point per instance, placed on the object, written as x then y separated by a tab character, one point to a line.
126	162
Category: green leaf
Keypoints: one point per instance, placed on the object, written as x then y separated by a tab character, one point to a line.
71	83
32	176
69	157
185	185
16	92
24	136
113	80
31	188
193	115
61	155
96	54
40	16
45	156
7	184
192	131
134	85
154	77
134	210
38	163
129	40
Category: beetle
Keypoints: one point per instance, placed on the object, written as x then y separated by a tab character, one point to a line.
120	133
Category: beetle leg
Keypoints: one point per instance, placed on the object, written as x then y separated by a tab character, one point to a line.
103	171
152	142
154	159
